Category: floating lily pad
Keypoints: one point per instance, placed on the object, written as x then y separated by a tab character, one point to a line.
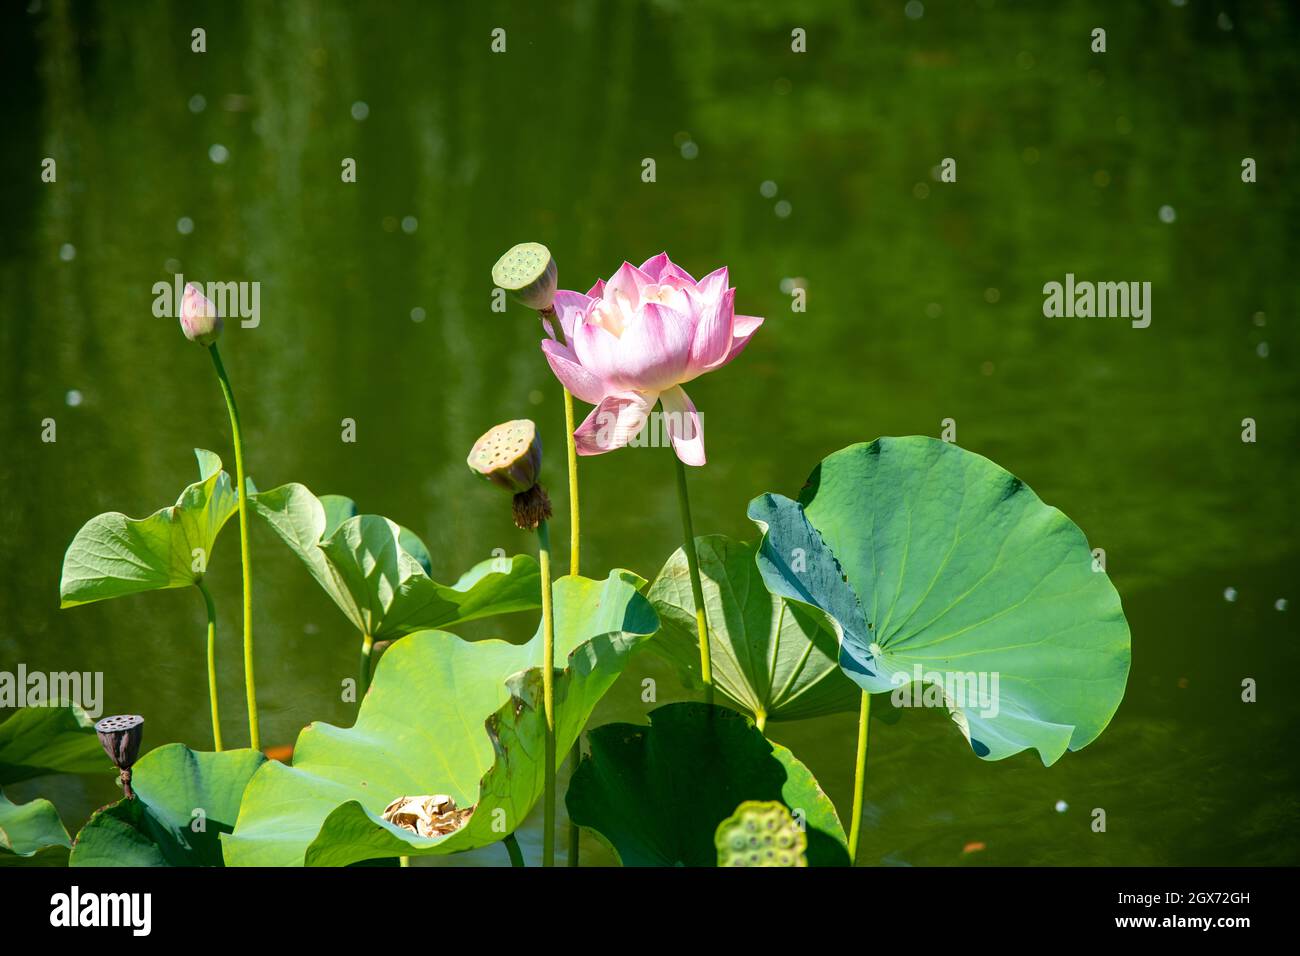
184	800
761	833
656	794
776	659
377	572
113	555
29	829
930	557
35	741
448	717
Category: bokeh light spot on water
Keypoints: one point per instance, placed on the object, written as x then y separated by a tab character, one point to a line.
197	103
690	150
1061	806
782	209
67	252
410	224
218	153
1280	604
1230	594
1167	214
914	9
73	398
360	111
767	189
185	225
417	314
1262	350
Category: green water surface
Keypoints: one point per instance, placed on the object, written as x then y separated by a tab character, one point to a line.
924	303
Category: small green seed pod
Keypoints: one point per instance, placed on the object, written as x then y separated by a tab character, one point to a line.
510	456
760	833
529	274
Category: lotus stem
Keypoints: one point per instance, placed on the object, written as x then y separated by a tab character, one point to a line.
363	668
859	778
697	589
250	691
575	834
574	523
548	695
212	663
512	848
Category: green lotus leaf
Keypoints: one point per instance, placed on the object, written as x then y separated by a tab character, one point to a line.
36	741
934	561
184	800
656	794
776	659
367	566
338	508
443	716
113	555
761	833
26	829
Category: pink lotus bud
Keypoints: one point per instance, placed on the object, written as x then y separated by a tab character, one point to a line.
528	273
199	319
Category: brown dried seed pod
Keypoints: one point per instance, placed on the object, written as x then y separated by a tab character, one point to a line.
120	736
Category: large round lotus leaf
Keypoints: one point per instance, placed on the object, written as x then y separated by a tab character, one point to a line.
184	800
657	794
113	555
776	659
377	571
937	565
26	829
35	741
442	717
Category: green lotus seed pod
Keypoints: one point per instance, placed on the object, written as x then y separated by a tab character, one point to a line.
529	274
509	455
760	833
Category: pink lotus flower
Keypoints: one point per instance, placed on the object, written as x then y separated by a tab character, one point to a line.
199	319
636	340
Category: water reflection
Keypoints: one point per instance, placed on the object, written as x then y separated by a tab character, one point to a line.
923	303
